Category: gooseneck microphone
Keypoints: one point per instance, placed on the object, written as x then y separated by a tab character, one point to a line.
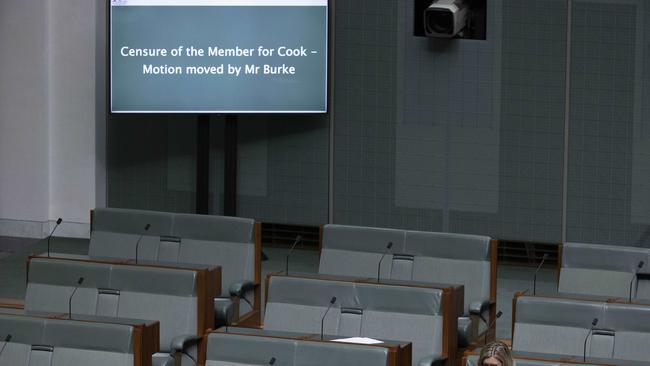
498	315
537	270
58	222
286	263
638	268
322	321
79	282
584	350
390	245
137	244
6	340
272	361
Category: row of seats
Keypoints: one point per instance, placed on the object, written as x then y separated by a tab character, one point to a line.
469	260
423	310
181	299
605	270
228	242
40	341
428	257
420	315
600	313
562	325
409	300
46	341
415	255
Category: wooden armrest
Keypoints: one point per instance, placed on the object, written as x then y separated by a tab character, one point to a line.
12	303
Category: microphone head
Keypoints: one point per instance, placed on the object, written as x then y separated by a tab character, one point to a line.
333	300
272	361
594	322
146	227
390	245
298	238
545	256
7	338
59	221
499	313
80	280
641	263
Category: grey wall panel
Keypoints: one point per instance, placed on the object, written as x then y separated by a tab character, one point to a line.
530	122
369	38
152	162
217	130
607	158
282	174
451	135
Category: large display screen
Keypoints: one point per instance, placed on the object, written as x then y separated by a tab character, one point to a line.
218	56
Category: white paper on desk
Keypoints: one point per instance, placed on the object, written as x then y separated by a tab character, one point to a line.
362	340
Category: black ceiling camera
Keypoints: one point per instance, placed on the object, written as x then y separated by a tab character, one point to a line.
450	18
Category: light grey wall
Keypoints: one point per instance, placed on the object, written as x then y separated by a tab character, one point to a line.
24	93
47	116
101	195
71	74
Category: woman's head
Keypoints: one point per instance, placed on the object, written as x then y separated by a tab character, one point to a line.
495	354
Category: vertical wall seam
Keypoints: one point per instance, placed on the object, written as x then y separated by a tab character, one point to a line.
102	11
330	181
567	119
49	28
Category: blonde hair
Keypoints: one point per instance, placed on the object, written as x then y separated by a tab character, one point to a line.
498	350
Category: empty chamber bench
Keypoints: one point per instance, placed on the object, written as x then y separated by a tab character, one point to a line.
37	341
180	298
420	315
560	326
229	242
468	260
605	270
236	348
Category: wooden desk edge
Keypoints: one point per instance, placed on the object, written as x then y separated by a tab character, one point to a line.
10	303
399	354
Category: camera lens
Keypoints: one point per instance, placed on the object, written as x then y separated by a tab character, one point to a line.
440	21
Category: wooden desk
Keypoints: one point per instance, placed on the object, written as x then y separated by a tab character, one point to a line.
399	353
